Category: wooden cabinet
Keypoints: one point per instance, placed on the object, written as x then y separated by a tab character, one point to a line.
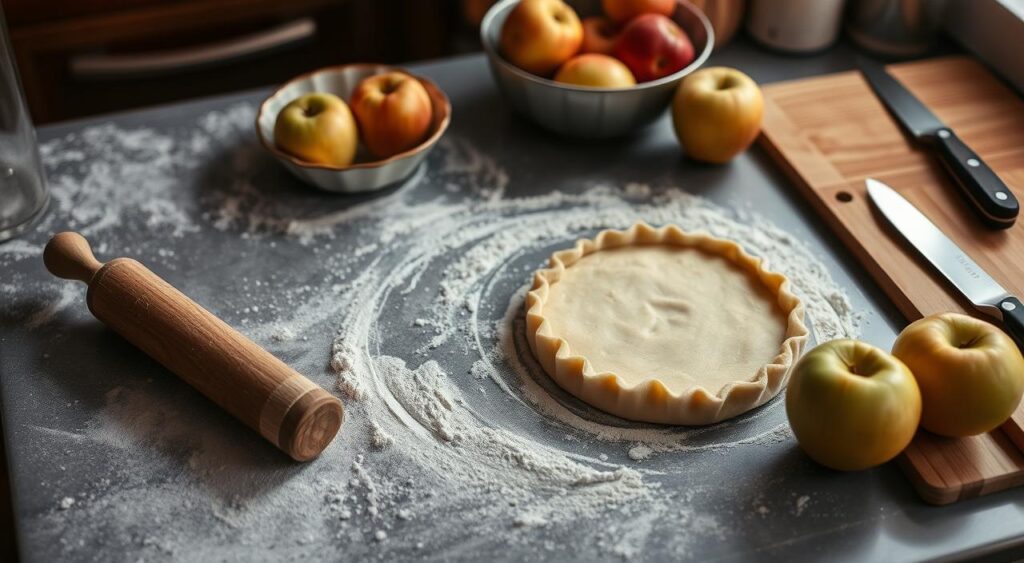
82	57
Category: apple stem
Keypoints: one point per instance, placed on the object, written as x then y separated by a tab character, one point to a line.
969	343
313	107
726	82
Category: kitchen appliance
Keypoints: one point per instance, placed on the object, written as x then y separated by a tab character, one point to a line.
797	26
896	28
991	29
725	16
990	198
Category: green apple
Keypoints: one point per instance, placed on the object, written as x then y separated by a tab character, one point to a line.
851	405
318	128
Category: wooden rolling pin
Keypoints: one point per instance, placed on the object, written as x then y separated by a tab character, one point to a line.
291	411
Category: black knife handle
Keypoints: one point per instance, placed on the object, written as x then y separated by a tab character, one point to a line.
991	198
1013	319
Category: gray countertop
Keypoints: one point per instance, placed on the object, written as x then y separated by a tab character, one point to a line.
112	458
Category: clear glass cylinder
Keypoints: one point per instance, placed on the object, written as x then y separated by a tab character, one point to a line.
23	193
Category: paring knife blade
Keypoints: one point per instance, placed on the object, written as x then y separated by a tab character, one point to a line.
984	190
962	272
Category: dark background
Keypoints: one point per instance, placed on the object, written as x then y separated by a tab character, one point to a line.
51	37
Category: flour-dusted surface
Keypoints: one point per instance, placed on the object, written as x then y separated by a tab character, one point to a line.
407	304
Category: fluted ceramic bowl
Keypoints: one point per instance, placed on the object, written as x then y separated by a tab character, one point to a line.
364	174
590	113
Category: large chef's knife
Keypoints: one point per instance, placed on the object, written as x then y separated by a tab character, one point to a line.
990	197
949	259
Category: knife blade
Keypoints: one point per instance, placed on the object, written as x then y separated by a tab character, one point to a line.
991	199
962	272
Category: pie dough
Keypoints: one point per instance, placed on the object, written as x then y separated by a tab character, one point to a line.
660	325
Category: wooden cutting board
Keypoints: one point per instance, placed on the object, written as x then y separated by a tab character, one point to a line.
830	133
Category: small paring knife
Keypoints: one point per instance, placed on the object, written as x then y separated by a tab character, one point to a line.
950	260
993	201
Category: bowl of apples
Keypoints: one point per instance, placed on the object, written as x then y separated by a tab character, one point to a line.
594	69
353	128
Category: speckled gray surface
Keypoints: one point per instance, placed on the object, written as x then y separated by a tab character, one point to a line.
102	441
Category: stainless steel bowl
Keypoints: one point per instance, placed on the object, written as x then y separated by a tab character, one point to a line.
364	175
590	113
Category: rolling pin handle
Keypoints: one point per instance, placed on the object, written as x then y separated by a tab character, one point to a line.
69	256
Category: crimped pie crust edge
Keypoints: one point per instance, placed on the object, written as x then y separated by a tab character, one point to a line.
651	400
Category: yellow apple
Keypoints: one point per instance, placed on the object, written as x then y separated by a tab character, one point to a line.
971	374
393	111
597	71
539	35
717	113
318	128
851	405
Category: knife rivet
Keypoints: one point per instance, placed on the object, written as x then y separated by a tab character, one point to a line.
1008	306
973	162
944	133
1001	196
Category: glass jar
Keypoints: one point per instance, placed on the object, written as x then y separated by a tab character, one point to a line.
23	192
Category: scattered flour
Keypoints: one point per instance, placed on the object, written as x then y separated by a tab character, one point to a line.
801	504
423	433
529	520
379	439
640	452
283	334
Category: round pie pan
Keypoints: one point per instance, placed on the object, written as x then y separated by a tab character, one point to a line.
363	175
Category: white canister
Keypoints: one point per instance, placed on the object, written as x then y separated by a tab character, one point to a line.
798	26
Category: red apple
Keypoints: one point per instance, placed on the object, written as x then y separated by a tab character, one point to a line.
393	112
599	34
539	35
595	70
621	11
653	46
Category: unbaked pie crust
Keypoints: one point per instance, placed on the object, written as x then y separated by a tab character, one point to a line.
661	325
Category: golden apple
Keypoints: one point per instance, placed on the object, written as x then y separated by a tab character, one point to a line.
717	113
621	11
540	35
318	128
596	71
971	374
393	111
851	405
